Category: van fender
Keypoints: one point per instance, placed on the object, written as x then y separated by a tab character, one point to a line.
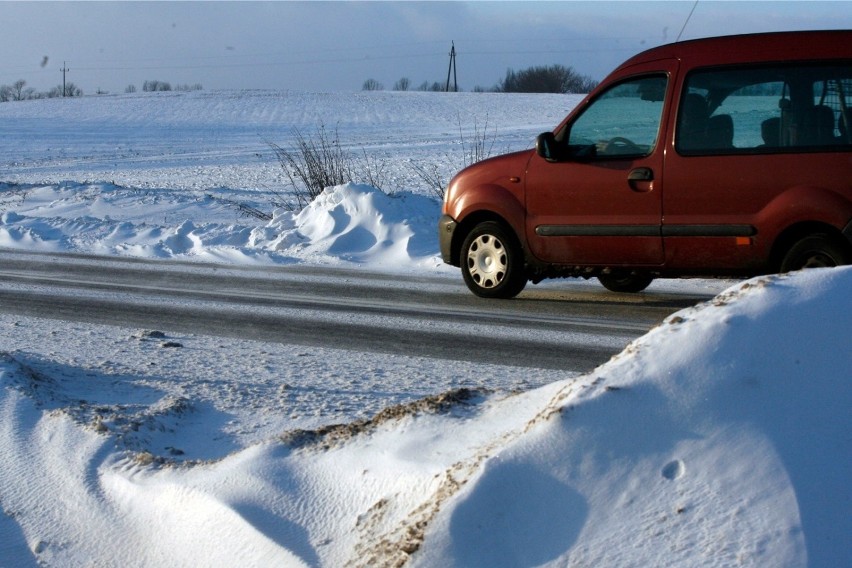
801	210
489	202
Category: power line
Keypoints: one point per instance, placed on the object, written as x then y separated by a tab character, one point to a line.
328	55
331	60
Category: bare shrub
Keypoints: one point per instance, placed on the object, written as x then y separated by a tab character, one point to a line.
474	149
433	176
67	90
372	85
244	209
480	146
371	170
154	86
20	92
317	161
313	163
402	85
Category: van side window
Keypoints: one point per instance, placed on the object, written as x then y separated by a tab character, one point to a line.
624	121
770	109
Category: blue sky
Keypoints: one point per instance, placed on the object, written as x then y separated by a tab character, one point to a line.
336	46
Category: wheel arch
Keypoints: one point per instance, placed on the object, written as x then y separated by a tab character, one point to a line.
794	233
486	203
467	224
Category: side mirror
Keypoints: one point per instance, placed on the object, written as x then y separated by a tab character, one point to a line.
545	146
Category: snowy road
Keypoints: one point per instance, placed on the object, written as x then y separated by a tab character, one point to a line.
567	327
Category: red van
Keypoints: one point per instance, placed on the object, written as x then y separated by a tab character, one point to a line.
728	156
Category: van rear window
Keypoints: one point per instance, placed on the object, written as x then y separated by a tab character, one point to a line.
770	109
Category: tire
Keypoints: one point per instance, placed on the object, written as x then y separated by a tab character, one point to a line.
629	282
492	263
815	251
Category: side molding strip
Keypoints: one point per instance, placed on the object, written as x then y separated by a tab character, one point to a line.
645	231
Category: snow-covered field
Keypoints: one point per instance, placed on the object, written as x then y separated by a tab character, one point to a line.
721	438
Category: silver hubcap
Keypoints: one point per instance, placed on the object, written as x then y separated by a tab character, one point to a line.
486	261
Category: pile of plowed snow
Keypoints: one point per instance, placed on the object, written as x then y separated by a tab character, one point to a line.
719	438
349	223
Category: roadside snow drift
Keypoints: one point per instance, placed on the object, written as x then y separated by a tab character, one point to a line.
719	438
360	224
346	224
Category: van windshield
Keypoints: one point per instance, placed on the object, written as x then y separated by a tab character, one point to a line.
624	121
765	110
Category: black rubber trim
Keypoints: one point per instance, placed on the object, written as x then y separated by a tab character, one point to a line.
598	230
446	229
648	231
709	231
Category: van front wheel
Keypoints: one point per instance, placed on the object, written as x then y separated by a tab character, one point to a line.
492	262
815	251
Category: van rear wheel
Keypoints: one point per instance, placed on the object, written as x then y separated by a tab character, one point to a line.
815	251
492	262
629	282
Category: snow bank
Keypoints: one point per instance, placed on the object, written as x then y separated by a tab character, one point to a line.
719	438
361	224
352	224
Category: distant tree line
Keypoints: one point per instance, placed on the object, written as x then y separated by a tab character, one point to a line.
18	91
153	86
404	84
546	79
540	79
372	85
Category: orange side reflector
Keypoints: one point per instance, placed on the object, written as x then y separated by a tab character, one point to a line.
743	241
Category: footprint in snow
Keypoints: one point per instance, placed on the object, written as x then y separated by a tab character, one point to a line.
673	470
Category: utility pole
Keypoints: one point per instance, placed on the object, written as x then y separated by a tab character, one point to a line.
452	69
64	70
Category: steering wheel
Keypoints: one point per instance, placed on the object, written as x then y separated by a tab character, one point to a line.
621	145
